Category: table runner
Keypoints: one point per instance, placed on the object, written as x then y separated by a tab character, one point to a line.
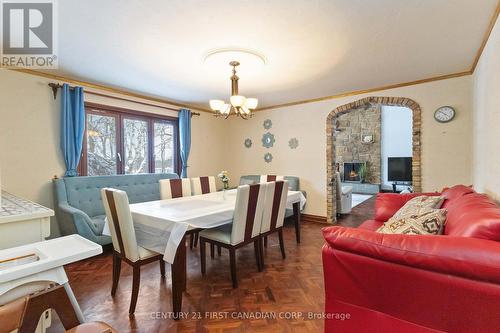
160	225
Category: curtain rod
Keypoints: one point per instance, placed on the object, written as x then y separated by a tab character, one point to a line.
56	86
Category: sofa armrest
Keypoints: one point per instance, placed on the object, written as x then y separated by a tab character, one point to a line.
471	258
81	220
387	204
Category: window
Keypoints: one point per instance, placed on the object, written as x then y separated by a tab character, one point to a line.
119	141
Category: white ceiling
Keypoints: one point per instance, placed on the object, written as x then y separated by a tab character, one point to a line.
314	48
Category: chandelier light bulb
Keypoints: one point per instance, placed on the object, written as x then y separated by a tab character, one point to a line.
251	103
216	104
237	101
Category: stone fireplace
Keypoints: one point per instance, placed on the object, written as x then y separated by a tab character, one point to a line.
352	147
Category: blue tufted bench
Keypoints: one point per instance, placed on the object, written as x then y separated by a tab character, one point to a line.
79	207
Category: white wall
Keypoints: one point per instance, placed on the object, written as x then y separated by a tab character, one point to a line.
397	133
446	148
30	128
487	118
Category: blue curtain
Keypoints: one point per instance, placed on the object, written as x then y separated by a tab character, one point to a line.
72	127
184	138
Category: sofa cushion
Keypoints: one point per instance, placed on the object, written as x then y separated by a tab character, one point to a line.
98	222
387	204
419	205
455	192
473	215
426	221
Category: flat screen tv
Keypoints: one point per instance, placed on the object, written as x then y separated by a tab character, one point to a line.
399	169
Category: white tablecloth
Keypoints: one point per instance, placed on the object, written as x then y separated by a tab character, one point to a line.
160	225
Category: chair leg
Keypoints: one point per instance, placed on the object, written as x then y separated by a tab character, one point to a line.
191	241
117	265
265	241
256	245
162	267
136	280
282	243
212	250
219	250
196	237
261	250
203	257
232	260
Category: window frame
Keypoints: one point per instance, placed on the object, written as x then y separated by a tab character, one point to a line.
120	114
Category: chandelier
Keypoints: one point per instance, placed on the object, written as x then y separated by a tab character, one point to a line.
238	104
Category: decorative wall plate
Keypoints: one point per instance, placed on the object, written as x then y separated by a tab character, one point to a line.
268	124
293	143
268	140
248	143
268	157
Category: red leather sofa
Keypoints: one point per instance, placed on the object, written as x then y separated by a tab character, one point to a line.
416	283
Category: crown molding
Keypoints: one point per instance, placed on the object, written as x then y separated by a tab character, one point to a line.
108	89
366	91
486	37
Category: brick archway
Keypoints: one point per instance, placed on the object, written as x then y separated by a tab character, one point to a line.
330	152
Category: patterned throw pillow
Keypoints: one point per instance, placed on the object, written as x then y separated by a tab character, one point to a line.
430	222
419	205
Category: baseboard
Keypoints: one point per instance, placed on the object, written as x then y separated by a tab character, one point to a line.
313	218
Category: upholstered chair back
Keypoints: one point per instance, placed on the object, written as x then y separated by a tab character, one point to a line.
270	178
247	218
275	205
175	188
338	184
203	185
120	222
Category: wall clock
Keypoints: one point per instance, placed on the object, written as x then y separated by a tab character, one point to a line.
444	114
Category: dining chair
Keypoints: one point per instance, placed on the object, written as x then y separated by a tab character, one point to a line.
245	229
273	215
203	185
270	178
22	315
175	188
125	248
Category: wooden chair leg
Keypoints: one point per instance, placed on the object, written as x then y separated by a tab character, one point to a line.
162	267
256	246
136	280
219	250
265	241
203	257
191	241
117	265
196	237
232	260
212	250
282	243
261	250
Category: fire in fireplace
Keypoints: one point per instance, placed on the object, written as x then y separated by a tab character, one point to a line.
351	171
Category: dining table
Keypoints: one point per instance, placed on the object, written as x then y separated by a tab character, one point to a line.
162	226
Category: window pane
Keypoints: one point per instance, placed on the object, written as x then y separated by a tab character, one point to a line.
101	145
135	136
164	155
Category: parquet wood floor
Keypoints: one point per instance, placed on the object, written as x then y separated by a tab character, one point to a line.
289	287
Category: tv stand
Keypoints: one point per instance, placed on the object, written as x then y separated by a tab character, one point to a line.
395	184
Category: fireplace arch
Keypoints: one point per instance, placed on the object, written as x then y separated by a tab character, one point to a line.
330	149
